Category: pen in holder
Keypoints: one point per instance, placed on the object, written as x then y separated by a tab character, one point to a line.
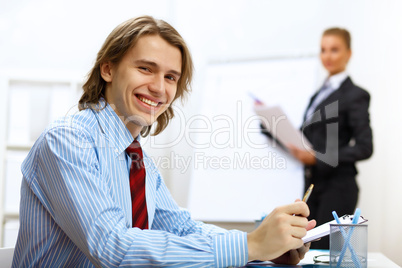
348	245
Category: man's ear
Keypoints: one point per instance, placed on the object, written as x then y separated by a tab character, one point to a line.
106	71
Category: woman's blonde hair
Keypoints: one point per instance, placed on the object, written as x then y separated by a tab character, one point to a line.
116	45
342	33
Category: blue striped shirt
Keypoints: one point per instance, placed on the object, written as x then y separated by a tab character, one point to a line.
75	206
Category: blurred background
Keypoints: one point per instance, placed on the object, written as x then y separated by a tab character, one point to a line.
270	48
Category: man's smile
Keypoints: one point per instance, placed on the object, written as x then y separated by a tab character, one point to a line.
148	101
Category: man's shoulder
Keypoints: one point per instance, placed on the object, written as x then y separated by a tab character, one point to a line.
79	127
84	120
69	127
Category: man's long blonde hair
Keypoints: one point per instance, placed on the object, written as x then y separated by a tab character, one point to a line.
116	45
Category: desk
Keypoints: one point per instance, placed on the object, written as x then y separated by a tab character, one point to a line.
375	260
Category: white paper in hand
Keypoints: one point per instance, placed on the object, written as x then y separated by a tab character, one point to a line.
279	126
324	229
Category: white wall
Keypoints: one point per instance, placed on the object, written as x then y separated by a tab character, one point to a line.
65	36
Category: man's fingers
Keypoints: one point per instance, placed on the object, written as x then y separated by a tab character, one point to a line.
298	221
298	232
303	250
297	243
297	208
294	256
311	224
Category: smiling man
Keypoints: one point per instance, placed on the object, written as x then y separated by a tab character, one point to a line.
91	197
143	84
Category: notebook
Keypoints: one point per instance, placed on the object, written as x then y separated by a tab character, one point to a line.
324	229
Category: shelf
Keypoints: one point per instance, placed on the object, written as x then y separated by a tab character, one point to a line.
19	147
31	102
11	215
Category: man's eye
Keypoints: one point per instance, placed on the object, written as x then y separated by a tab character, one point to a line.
144	69
170	77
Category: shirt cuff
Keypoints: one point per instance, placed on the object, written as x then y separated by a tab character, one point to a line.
230	249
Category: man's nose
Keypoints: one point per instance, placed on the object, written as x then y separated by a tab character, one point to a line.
157	84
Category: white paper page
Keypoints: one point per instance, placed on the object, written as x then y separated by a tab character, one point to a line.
278	124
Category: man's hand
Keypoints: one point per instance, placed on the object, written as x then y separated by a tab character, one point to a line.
294	256
279	233
304	156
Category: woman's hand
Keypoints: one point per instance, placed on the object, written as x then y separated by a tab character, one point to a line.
304	156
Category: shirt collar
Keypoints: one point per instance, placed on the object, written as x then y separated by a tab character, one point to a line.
336	80
113	126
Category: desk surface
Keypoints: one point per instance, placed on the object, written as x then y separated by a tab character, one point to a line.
375	260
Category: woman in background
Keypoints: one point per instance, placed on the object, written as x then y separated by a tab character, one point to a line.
337	124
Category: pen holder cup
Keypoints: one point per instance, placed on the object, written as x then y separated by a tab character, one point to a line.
348	245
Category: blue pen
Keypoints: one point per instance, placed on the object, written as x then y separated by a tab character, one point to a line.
336	217
347	238
356	216
257	101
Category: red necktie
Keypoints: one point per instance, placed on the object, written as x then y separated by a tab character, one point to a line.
137	186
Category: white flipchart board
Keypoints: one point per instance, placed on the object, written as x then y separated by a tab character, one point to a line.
238	175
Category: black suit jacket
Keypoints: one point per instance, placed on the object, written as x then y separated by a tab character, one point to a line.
340	133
